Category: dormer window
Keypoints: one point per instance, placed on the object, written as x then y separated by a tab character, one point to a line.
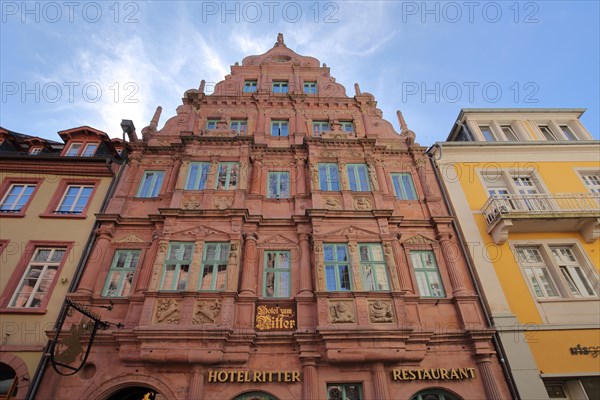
211	123
90	150
310	87
250	86
34	151
73	150
545	129
347	126
280	86
320	127
569	135
239	125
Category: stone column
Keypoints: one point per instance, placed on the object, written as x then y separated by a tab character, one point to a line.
305	266
213	171
183	173
243	175
402	266
159	262
300	176
343	176
484	363
176	158
391	263
256	175
456	277
96	260
380	386
383	185
249	272
422	173
196	389
355	272
195	272
373	178
319	265
310	383
146	266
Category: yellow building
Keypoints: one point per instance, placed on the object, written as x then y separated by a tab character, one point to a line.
525	187
49	193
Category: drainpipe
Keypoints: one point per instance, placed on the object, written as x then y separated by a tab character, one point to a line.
43	365
486	311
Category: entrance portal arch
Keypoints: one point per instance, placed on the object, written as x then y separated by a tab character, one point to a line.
435	394
255	396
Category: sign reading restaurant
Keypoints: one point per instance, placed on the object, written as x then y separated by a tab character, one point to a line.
433	374
275	318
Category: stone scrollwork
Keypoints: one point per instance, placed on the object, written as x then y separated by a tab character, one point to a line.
331	203
168	311
191	204
341	312
380	311
223	203
206	311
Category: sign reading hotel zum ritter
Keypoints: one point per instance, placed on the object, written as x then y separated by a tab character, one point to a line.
275	317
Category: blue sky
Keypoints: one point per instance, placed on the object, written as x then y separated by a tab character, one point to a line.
66	64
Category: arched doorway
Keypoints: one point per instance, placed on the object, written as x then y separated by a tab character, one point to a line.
435	394
8	382
136	393
254	396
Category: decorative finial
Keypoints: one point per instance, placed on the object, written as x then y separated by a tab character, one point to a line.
403	126
201	88
280	41
357	89
156	118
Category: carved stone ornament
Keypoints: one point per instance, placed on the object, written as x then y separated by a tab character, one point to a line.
131	238
206	311
341	312
191	204
419	239
380	311
168	311
223	203
331	203
163	245
362	203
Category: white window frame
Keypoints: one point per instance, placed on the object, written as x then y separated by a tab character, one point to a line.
325	181
584	175
425	275
280	86
201	177
74	146
73	206
352	170
400	188
280	123
46	265
126	271
156	181
12	207
84	153
34	151
281	181
178	261
375	277
212	267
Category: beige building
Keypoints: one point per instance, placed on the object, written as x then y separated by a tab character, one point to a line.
525	188
49	193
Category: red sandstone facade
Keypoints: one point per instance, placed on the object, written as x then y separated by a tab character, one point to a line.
258	272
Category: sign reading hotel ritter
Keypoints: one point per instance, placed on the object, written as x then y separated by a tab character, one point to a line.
275	317
433	374
254	376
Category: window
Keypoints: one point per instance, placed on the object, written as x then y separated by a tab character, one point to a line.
280	86
279	185
38	277
249	86
328	177
16	198
358	177
151	183
403	186
573	273
227	178
347	126
556	391
211	123
545	129
277	274
320	127
568	132
90	150
310	87
486	131
279	128
8	382
73	149
344	391
75	199
197	176
34	151
509	133
537	272
120	275
427	274
592	182
239	125
337	267
177	266
214	266
372	266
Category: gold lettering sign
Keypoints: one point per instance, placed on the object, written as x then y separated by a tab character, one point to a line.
275	318
432	374
239	376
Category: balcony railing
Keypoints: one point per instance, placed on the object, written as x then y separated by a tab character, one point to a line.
509	205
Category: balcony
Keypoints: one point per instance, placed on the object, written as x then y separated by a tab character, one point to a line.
565	212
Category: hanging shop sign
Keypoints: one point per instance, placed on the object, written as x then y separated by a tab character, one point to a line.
278	317
239	376
433	374
585	350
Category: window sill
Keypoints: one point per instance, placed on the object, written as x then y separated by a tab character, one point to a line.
569	299
63	216
19	214
22	310
146	198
